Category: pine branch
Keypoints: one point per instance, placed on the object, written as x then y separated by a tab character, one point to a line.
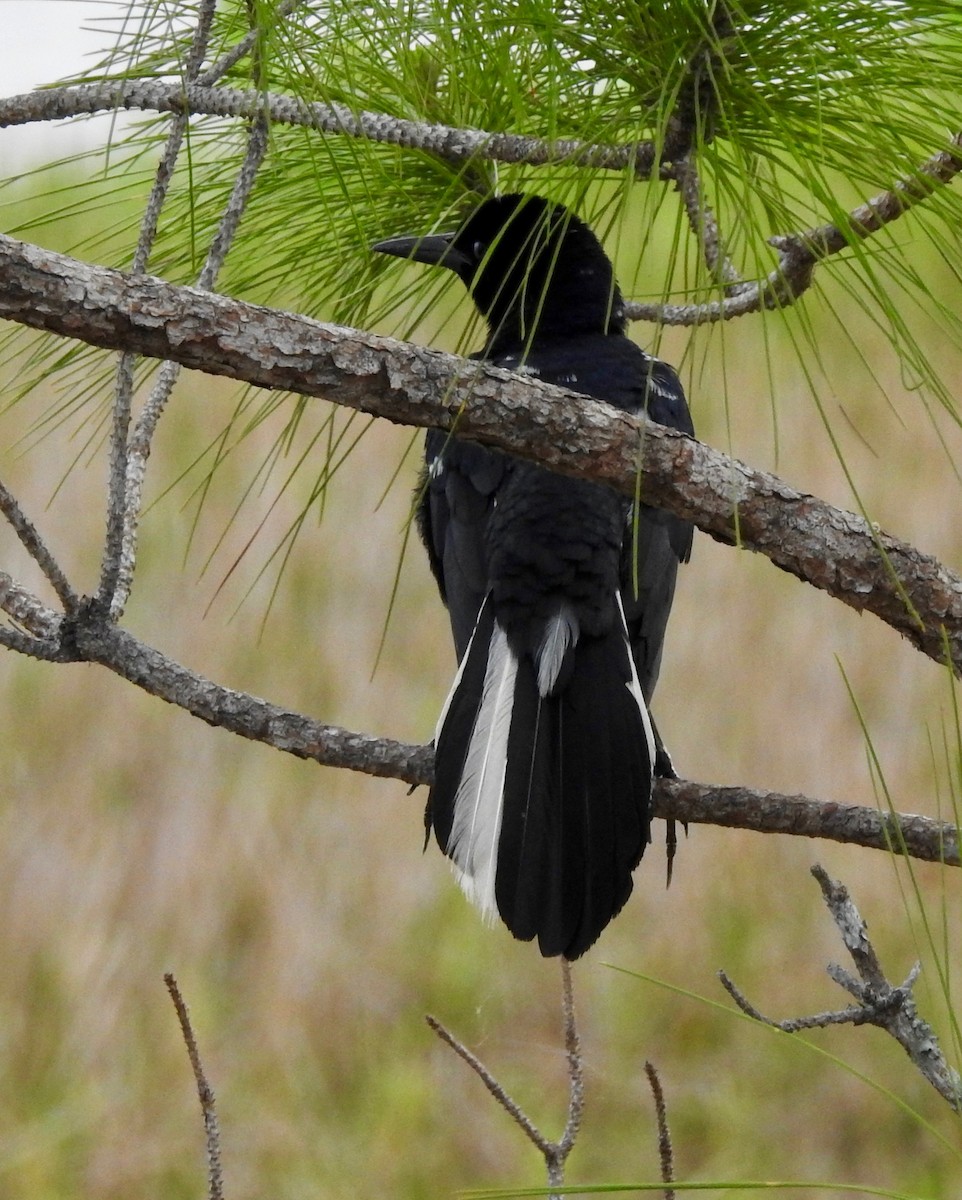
836	551
444	141
799	252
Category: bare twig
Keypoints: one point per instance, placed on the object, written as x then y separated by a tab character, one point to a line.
35	546
665	1153
854	1015
704	226
28	611
24	643
247	43
880	1003
112	575
894	1007
555	1153
510	1106
204	1092
576	1074
138	449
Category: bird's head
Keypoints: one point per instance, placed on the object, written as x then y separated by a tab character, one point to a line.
531	266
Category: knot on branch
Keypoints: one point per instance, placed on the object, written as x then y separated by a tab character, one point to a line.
878	1000
82	627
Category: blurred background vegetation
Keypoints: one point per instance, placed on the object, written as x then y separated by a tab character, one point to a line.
308	932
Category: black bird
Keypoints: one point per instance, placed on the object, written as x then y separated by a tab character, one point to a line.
558	595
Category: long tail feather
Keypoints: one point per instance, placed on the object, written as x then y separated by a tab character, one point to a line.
470	761
543	800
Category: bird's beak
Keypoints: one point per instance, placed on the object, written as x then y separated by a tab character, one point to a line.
434	248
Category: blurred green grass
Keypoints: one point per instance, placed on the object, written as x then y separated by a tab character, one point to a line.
309	933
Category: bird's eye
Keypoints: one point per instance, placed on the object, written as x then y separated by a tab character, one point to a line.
480	250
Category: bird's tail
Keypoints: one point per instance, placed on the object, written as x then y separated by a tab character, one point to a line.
542	801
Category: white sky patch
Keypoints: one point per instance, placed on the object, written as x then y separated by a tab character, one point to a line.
43	41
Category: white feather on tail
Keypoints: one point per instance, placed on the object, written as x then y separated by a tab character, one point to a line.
561	631
634	686
478	805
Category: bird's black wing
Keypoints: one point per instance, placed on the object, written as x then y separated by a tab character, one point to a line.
657	541
458	488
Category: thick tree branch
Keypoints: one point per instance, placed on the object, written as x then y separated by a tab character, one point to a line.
90	636
834	550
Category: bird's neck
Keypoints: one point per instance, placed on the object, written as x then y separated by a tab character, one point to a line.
517	330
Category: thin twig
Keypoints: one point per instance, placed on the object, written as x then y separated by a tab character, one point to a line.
24	643
854	1015
27	610
138	449
555	1153
117	491
204	1092
35	546
510	1106
576	1073
233	56
704	226
665	1154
